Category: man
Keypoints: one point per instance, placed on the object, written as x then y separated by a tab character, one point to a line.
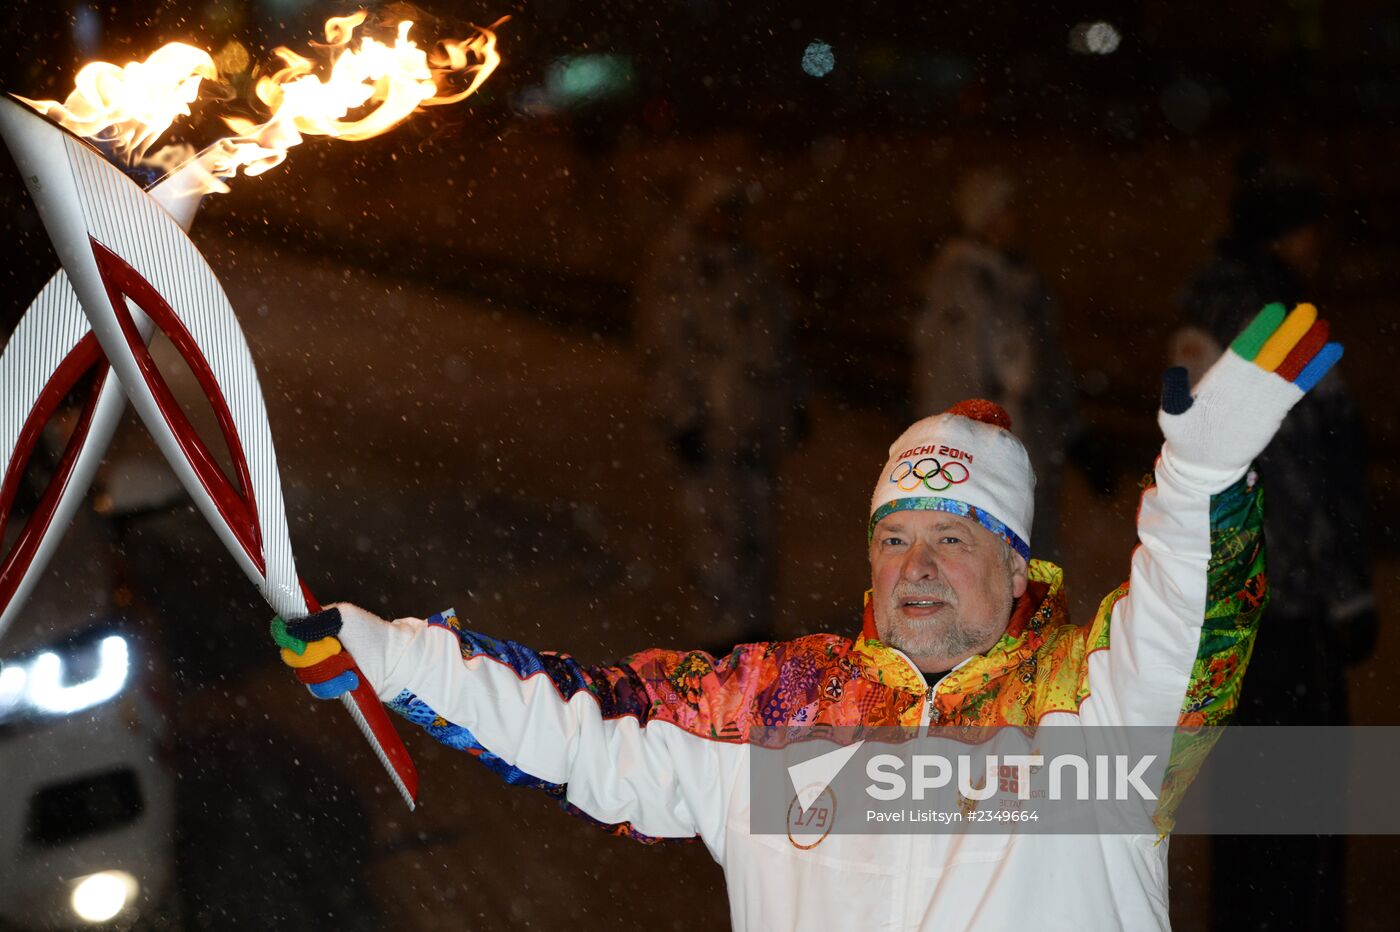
988	328
959	628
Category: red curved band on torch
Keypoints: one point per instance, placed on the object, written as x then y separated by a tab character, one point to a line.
236	505
84	358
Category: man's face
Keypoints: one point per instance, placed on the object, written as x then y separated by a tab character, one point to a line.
943	587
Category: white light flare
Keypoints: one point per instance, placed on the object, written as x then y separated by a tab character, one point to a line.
102	896
12	680
47	693
1098	38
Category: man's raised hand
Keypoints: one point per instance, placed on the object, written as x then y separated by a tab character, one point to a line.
1242	399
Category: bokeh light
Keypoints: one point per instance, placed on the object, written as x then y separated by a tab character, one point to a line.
818	59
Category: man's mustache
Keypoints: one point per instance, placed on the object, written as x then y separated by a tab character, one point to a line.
938	591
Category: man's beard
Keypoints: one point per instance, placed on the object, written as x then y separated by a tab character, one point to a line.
947	634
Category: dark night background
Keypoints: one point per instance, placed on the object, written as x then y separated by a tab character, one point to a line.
442	322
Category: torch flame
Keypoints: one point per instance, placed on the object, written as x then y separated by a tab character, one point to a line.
131	107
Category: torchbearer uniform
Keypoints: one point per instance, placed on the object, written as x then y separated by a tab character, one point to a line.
656	746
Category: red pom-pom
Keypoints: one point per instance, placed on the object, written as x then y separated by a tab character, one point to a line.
980	409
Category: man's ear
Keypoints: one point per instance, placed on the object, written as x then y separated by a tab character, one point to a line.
1019	579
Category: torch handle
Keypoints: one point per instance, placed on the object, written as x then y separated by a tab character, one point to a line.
368	714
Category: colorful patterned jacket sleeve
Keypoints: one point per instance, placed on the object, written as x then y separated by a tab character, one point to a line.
1171	644
649	747
1237	596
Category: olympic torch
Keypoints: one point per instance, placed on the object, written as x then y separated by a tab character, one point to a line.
51	351
129	269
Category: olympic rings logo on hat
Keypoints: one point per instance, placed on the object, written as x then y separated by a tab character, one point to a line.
929	473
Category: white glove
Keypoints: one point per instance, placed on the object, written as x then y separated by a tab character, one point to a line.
1241	401
312	646
378	646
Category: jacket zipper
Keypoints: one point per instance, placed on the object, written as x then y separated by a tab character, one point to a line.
929	715
915	845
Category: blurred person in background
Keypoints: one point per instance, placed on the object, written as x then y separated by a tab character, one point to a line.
716	331
1322	615
988	327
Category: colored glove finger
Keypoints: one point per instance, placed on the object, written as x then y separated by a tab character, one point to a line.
1248	344
315	653
1239	404
1314	371
322	624
336	687
1276	349
1308	347
327	669
1176	390
284	640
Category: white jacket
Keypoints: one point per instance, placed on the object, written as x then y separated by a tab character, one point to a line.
655	747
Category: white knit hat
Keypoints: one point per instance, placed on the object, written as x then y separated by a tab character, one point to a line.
964	461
